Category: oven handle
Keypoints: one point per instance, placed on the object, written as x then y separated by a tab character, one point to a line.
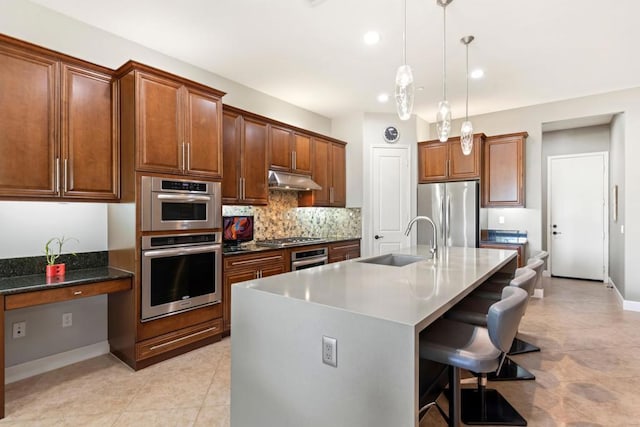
181	251
308	261
184	198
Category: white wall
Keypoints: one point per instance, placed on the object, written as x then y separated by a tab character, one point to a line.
530	119
617	177
350	129
36	24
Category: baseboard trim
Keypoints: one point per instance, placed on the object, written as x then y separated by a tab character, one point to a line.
55	361
626	305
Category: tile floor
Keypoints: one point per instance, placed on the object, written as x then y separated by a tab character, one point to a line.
588	374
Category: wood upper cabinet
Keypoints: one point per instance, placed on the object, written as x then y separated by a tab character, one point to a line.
178	124
58	132
444	161
329	171
245	142
89	141
290	151
503	173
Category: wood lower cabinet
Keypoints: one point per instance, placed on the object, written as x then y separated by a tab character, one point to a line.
503	172
59	127
510	246
329	171
176	124
345	250
245	141
444	161
239	268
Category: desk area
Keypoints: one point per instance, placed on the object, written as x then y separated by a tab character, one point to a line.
31	290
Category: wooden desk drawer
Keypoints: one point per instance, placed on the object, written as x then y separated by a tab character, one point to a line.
162	344
28	299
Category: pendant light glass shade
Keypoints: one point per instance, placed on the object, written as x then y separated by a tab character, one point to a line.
443	119
466	137
404	92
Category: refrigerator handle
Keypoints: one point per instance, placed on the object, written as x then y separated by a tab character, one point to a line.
448	217
442	217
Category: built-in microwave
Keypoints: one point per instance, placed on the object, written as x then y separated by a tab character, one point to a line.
179	204
180	272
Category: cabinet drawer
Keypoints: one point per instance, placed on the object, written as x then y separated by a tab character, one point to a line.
171	341
253	261
29	299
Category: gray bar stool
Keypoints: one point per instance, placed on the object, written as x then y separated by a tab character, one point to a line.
479	350
474	310
520	346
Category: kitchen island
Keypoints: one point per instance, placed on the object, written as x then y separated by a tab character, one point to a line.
375	313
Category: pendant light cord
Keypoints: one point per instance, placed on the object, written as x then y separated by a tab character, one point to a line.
404	36
444	53
466	109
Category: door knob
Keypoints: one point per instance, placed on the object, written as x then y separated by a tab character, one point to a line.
556	232
554	226
378	237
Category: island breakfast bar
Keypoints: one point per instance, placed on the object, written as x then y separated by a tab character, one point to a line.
375	313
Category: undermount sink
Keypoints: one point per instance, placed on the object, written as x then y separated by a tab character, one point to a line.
394	260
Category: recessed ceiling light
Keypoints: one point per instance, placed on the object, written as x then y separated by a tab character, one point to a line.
477	73
371	37
383	97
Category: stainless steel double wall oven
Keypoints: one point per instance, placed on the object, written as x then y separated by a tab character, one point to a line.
182	266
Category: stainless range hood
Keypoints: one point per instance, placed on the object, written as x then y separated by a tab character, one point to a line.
291	181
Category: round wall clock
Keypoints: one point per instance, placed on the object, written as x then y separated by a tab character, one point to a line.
391	134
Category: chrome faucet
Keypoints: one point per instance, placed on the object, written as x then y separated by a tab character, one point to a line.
434	244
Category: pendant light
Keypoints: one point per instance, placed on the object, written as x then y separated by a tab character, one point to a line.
466	131
404	79
443	118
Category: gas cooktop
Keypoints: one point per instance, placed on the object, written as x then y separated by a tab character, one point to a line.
289	241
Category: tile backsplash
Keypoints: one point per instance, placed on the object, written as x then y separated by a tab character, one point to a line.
283	218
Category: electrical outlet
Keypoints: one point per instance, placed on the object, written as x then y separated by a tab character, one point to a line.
330	351
19	329
67	320
500	220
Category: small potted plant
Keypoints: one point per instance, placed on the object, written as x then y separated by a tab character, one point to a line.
52	251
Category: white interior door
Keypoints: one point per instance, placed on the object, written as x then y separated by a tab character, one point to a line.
390	198
578	214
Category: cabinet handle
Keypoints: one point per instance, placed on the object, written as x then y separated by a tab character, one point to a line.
66	163
345	247
164	344
295	160
182	167
188	156
244	188
331	195
56	175
347	257
77	292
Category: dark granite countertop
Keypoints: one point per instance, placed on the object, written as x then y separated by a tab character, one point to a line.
38	282
511	237
507	240
252	247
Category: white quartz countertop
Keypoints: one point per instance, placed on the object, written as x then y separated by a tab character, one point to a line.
414	295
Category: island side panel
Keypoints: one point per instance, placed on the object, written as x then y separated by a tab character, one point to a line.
277	374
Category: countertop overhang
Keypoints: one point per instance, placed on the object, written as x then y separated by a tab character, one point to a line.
413	295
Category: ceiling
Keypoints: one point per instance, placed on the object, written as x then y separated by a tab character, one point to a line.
310	53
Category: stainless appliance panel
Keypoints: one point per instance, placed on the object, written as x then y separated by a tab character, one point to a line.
307	258
431	199
462	211
454	208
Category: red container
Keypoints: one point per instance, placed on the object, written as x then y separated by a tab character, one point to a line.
55	270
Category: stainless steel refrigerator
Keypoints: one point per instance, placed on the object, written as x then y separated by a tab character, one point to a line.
455	209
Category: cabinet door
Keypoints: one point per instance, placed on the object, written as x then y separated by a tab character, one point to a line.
461	166
503	171
280	142
255	188
89	141
229	279
272	270
28	124
302	156
321	173
432	161
231	140
338	175
160	135
203	134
